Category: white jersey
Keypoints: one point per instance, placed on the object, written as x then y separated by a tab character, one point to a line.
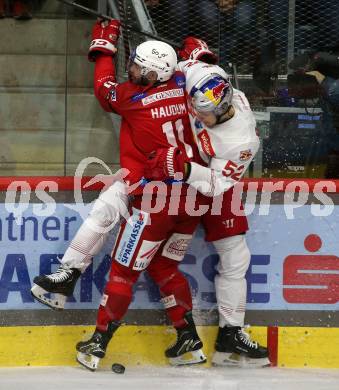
228	148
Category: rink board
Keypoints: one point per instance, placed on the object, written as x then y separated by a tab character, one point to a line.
292	282
131	345
145	345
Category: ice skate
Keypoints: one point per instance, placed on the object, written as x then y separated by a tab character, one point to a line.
60	284
235	348
187	348
91	351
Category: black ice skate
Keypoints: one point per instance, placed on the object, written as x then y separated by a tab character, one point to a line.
187	348
91	351
235	348
61	283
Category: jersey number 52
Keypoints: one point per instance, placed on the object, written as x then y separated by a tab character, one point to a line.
233	170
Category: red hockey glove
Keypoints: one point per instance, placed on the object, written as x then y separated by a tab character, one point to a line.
166	163
105	35
196	49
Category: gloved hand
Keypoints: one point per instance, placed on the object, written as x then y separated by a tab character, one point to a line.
166	163
196	49
105	35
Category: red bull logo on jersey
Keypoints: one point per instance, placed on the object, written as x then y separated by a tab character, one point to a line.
215	90
130	239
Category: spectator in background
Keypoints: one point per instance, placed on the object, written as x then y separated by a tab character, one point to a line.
253	36
324	67
18	9
327	76
241	31
316	23
177	19
238	33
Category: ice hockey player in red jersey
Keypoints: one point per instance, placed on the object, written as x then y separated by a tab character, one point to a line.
154	116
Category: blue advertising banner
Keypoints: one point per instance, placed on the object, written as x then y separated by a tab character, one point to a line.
294	263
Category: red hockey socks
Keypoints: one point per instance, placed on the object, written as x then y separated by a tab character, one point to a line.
174	289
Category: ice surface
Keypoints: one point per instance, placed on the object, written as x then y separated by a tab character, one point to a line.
172	378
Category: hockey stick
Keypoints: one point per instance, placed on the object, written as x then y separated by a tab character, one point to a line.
125	26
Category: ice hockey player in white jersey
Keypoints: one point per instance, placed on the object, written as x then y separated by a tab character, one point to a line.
225	131
224	126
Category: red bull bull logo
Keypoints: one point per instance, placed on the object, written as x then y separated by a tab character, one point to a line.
216	90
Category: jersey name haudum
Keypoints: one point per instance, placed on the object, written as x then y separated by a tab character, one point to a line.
165	111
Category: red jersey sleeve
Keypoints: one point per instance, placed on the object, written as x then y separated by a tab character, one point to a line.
111	95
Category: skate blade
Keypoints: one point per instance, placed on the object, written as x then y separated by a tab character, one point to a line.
88	361
224	359
56	302
188	358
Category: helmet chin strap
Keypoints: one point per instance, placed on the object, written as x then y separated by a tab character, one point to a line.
144	71
144	80
226	115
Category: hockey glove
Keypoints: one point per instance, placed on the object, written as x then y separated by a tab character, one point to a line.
167	163
104	38
196	49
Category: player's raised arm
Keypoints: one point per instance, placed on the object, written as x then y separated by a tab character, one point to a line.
102	49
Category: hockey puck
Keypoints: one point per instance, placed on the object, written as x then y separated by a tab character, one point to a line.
118	368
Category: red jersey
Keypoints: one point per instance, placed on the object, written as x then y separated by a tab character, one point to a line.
152	117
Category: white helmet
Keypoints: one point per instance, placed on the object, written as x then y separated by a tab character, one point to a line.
155	56
210	89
